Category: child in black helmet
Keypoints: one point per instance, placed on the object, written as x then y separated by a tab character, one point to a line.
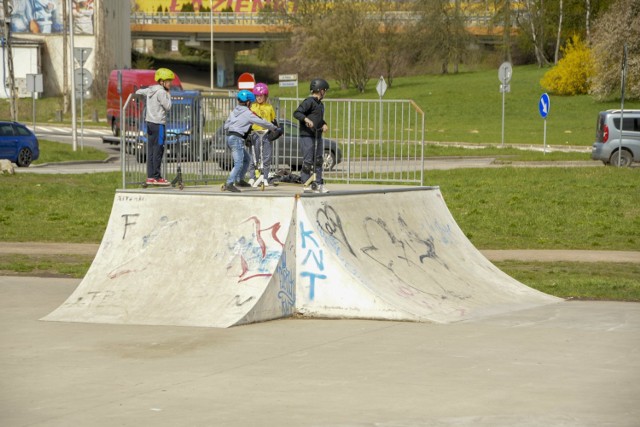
157	107
310	114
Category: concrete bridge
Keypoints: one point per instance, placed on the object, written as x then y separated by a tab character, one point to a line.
228	33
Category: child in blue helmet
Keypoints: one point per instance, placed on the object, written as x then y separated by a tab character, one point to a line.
238	126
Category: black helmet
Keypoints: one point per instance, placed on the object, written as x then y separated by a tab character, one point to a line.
318	85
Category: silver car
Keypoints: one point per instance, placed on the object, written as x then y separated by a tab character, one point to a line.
611	147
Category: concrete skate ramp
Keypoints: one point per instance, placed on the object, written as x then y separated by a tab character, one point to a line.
179	258
396	255
197	258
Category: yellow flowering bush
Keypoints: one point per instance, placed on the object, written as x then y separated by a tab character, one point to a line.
572	74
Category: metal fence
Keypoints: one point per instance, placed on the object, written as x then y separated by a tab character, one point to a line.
368	141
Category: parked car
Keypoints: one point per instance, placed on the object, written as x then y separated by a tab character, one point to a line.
612	147
286	150
18	144
132	80
182	120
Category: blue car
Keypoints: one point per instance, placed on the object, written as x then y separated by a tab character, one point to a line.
18	144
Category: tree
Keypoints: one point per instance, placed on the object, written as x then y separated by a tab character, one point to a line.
440	33
391	39
560	15
504	17
618	26
334	39
532	24
572	73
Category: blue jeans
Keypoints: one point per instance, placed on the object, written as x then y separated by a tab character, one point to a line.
241	158
155	149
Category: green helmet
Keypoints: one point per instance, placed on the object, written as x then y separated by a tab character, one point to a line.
164	74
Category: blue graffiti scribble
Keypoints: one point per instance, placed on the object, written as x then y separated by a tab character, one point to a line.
315	253
286	295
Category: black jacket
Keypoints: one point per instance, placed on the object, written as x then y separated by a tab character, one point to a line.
312	108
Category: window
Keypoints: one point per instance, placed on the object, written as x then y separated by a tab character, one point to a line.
22	131
6	130
630	123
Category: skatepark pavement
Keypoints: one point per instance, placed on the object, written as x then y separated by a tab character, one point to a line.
572	364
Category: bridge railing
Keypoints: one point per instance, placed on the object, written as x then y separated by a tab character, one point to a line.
240	18
267	18
368	140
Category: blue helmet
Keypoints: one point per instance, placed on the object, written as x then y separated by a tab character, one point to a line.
245	95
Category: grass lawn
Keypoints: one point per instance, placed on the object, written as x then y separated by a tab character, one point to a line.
55	152
505	208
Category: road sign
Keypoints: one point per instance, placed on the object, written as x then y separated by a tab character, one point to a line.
288	83
81	54
288	77
544	105
381	87
505	72
34	83
83	79
246	81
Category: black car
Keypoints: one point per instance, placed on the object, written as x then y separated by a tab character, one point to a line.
286	149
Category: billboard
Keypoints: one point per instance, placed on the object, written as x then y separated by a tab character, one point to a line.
46	16
153	6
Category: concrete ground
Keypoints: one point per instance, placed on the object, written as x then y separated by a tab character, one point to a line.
570	364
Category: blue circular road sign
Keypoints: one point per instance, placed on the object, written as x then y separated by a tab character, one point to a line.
544	105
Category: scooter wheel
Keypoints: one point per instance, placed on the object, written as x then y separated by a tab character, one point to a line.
314	186
181	186
222	187
145	185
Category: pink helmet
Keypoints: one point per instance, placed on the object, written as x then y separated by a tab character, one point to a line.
261	89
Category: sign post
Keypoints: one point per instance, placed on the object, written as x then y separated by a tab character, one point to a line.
504	75
34	85
82	81
544	105
288	80
622	83
381	87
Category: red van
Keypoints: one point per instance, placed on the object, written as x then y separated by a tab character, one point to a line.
132	80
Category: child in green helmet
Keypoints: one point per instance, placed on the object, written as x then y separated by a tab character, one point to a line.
157	106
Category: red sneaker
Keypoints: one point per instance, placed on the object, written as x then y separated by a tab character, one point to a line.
162	181
151	181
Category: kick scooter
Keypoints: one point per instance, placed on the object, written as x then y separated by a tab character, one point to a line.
259	179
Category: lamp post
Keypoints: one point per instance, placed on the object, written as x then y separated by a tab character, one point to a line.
211	66
74	127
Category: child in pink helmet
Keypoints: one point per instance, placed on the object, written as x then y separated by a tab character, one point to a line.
264	110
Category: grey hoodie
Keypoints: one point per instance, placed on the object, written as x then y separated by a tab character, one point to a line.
158	103
241	119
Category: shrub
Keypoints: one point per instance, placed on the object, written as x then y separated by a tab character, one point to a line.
572	74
